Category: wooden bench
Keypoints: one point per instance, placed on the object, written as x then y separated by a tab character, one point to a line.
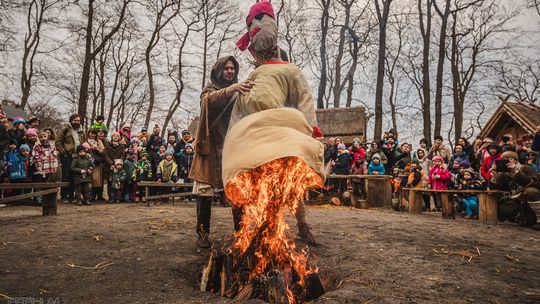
487	203
377	189
49	192
147	185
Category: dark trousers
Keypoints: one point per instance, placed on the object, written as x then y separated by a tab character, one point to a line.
114	195
126	192
84	191
67	192
204	213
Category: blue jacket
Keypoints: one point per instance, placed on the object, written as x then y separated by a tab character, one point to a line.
15	166
375	168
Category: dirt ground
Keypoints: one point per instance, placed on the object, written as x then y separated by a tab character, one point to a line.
135	254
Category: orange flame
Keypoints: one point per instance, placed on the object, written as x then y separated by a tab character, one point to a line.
263	193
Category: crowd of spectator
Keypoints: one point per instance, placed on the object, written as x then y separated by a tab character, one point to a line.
507	165
98	164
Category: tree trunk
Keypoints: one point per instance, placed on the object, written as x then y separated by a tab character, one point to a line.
426	88
383	18
87	64
456	82
322	50
152	94
440	68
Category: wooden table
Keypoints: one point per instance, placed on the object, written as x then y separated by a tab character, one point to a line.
377	188
487	203
49	192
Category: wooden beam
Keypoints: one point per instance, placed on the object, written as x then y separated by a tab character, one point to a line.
163	185
337	176
27	195
168	195
33	185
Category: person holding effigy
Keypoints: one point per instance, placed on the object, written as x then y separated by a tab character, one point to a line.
275	119
217	101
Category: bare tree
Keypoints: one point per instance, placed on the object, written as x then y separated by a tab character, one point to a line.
425	31
324	22
520	79
472	50
162	18
91	52
383	11
34	21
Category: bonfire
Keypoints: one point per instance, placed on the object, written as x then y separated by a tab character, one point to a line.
263	262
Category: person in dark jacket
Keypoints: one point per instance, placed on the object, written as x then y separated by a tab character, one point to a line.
82	169
129	168
66	141
341	167
152	146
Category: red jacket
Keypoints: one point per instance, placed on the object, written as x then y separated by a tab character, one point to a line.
359	154
441	183
488	162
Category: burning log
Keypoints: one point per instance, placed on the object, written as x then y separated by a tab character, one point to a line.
262	262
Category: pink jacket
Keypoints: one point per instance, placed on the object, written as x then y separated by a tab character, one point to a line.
441	183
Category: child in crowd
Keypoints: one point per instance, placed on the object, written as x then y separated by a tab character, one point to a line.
167	169
358	168
82	169
116	181
375	167
454	172
438	179
99	124
143	171
15	163
531	160
45	159
414	180
136	146
129	169
341	167
31	138
470	182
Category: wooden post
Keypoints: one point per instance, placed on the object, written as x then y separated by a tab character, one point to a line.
487	205
146	194
378	192
448	210
415	201
50	203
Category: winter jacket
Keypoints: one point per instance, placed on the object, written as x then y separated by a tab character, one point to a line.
173	173
372	168
442	151
16	166
129	168
65	142
370	153
117	178
341	166
488	163
459	157
414	180
401	159
143	171
45	159
79	168
113	152
186	160
442	182
181	145
357	153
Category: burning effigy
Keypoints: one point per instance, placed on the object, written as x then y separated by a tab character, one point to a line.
270	160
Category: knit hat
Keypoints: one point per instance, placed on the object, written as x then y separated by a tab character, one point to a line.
33	119
126	125
465	164
341	146
259	8
509	154
189	146
13	141
100	117
143	153
31	132
18	120
24	147
438	158
415	161
118	162
470	170
80	148
185	131
136	140
169	151
130	151
377	156
356	139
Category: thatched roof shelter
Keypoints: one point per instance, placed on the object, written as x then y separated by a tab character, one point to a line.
515	118
346	123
